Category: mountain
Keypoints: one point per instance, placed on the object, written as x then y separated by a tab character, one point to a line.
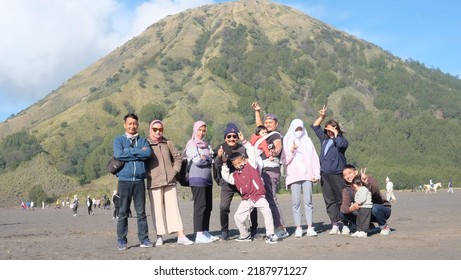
401	118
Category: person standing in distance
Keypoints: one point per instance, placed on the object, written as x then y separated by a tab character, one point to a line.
332	161
134	151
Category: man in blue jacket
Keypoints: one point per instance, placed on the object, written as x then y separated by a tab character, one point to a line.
134	151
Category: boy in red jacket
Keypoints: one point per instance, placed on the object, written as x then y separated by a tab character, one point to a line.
247	179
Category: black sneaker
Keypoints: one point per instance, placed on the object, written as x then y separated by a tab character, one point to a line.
246	238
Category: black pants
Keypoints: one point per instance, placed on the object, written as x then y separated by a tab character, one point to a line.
227	194
332	190
203	204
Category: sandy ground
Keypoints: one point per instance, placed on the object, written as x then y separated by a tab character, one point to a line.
424	227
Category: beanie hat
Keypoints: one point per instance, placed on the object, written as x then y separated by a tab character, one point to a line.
231	128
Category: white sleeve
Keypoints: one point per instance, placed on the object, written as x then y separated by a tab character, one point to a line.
226	175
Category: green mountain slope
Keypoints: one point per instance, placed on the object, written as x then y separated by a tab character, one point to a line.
210	63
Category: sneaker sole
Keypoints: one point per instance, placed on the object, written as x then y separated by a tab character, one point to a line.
244	240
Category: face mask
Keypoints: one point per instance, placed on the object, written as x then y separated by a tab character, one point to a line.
298	134
240	167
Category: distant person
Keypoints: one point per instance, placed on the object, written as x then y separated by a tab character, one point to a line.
32	204
134	151
450	187
362	201
431	184
162	167
75	205
270	171
302	167
381	209
201	183
222	157
332	161
390	190
89	205
58	204
247	179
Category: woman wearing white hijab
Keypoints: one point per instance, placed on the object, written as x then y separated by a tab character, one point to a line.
302	167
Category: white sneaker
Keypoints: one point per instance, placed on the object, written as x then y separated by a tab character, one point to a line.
311	232
299	232
345	230
359	234
159	241
385	231
209	236
334	230
185	241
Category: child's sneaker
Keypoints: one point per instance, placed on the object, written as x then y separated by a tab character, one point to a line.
272	239
244	238
385	231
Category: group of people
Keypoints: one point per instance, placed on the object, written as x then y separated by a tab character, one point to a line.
251	169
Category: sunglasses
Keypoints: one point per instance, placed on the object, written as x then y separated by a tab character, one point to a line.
154	129
231	136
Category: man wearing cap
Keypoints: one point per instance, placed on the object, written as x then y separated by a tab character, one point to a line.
271	168
223	153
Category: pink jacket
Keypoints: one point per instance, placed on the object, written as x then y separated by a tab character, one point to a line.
299	167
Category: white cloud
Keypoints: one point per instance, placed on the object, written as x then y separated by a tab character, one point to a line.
45	42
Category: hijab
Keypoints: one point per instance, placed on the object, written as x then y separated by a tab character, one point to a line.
152	136
194	141
304	143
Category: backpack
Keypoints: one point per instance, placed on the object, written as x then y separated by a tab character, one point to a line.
183	175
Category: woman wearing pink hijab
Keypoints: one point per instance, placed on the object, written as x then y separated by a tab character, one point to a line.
200	180
163	166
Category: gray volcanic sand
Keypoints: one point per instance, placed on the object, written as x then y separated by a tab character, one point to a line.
424	227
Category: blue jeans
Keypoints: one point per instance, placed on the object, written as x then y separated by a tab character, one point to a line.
127	191
306	188
379	214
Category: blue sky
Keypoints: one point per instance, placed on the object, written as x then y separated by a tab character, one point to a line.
46	42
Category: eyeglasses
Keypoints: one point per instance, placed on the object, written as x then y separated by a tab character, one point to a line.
154	129
231	136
